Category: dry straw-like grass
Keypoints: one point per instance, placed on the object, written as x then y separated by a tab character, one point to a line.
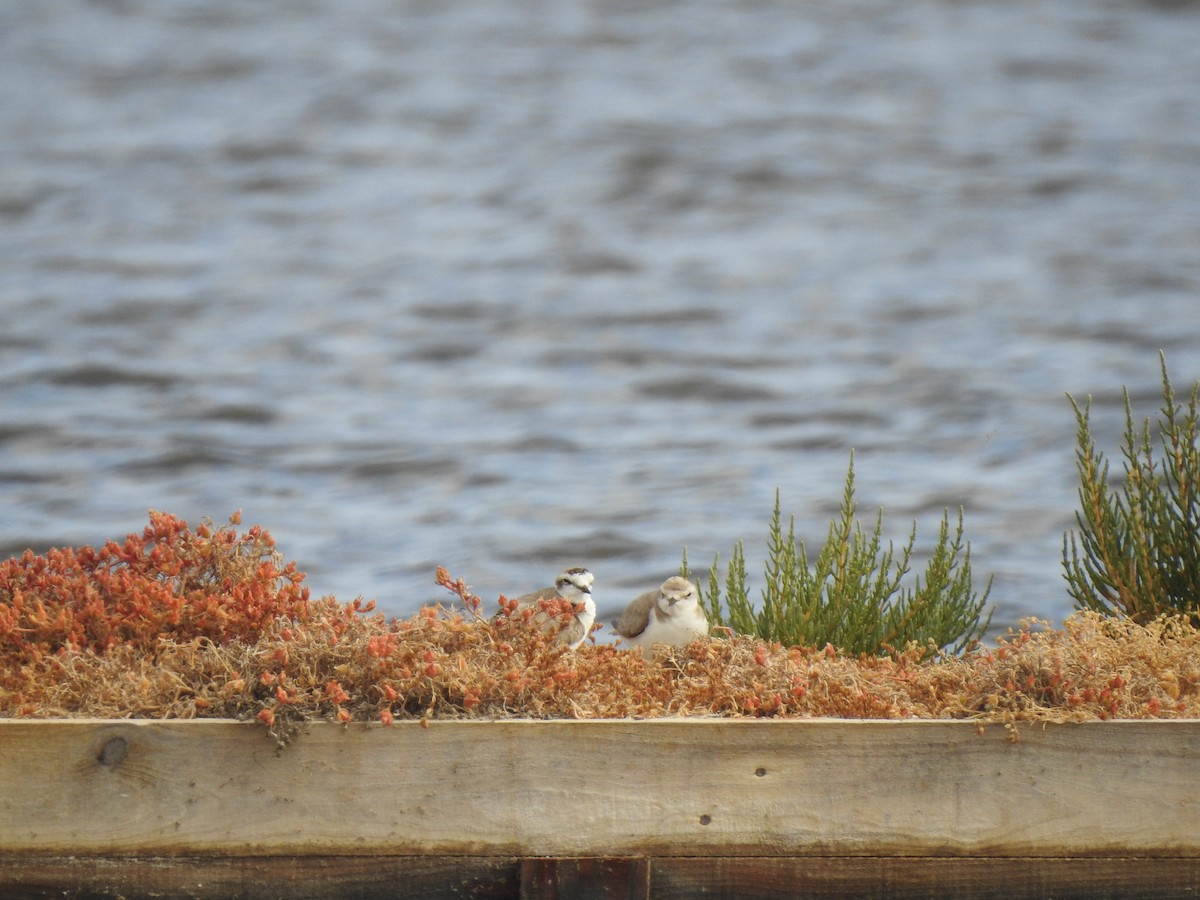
329	660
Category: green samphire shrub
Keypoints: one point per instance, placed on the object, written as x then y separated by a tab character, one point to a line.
851	596
1137	552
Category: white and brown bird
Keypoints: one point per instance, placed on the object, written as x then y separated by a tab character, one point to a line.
571	625
670	615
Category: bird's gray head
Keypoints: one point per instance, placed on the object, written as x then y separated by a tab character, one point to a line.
574	582
677	590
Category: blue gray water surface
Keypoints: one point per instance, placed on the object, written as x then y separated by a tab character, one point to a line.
515	286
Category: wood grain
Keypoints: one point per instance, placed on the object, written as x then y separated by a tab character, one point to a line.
683	787
260	878
902	878
557	878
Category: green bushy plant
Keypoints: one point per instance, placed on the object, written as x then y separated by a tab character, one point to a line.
851	595
1137	551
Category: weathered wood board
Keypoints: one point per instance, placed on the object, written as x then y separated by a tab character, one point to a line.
605	788
559	878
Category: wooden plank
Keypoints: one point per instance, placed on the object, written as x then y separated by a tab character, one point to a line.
556	878
663	878
901	878
260	878
601	788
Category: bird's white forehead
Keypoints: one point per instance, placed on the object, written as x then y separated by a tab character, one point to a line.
677	587
579	577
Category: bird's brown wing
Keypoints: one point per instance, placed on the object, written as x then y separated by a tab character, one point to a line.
549	621
572	633
527	600
546	593
636	616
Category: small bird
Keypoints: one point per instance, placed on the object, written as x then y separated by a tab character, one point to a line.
574	586
670	615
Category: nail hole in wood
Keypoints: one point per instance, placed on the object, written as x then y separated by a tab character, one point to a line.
113	752
760	772
705	819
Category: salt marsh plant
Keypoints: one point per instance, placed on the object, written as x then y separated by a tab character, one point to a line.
851	595
1137	551
169	582
282	659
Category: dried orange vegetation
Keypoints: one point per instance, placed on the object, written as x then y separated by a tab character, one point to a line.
169	581
223	629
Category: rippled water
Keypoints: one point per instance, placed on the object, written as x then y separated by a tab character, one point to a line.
510	287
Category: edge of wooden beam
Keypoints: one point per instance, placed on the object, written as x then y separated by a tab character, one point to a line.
601	788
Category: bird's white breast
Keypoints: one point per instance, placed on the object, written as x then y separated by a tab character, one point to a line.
679	628
585	618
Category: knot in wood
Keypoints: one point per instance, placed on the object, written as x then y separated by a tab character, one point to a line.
113	752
